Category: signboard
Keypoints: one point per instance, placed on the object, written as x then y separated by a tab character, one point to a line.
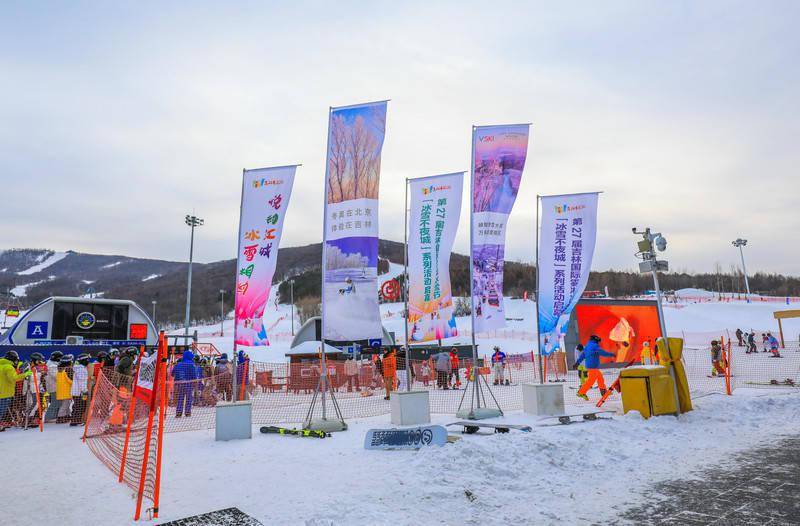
36	330
414	438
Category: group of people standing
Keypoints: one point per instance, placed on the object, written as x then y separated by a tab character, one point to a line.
56	388
769	343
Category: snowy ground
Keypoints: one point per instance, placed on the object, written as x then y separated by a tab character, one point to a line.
581	473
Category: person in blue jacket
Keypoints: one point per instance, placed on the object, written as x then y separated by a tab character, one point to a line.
185	374
591	358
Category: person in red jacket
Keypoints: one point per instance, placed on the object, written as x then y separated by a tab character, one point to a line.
455	378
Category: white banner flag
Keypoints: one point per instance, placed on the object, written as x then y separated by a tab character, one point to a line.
433	222
497	165
566	246
265	198
350	308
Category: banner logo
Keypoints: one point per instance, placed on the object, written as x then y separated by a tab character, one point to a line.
266	182
427	190
563	209
85	320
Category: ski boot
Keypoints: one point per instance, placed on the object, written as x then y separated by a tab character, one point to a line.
603	392
582	396
507	383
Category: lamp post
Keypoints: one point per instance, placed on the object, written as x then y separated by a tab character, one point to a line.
154	312
222	312
739	243
192	221
291	299
651	264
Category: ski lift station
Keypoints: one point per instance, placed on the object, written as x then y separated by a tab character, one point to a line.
82	321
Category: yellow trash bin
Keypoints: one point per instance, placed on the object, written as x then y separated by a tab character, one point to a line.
648	389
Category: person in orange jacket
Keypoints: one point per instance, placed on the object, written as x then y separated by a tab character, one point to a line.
389	370
455	378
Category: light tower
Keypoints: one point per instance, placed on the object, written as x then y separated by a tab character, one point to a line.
739	243
192	221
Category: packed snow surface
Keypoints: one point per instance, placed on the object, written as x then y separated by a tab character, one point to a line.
580	474
54	258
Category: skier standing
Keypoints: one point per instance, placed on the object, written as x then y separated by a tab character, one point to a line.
716	359
389	369
591	356
498	366
751	343
582	367
740	337
772	341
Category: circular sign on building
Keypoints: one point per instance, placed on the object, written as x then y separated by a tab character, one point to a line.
390	290
85	320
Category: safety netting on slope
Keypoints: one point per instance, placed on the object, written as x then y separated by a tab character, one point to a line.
122	435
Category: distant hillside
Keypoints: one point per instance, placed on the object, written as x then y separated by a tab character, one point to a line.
34	274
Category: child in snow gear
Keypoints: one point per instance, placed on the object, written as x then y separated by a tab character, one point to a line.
647	355
740	337
772	341
716	359
591	357
184	373
498	366
582	375
751	343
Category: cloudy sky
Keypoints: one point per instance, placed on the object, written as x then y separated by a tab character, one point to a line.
117	119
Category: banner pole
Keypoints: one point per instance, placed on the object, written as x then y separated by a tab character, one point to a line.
162	408
538	326
405	287
234	390
323	361
91	404
475	399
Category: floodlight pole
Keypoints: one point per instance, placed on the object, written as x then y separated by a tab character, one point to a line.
740	243
192	221
222	312
291	299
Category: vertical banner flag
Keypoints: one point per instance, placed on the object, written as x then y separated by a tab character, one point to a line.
433	222
499	158
265	197
566	246
350	246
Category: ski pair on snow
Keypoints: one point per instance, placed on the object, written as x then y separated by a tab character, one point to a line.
296	432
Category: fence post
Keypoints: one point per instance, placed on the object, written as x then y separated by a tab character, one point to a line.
728	370
91	404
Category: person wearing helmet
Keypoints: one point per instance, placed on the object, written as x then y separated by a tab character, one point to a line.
224	377
64	388
79	390
716	359
591	357
33	387
185	375
50	386
498	366
8	383
127	364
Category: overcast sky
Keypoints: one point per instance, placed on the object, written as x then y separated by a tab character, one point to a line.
118	119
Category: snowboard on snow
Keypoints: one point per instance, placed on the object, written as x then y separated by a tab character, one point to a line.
294	432
471	427
574	418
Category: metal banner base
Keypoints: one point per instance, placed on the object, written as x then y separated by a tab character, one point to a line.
479	413
328	425
478	408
